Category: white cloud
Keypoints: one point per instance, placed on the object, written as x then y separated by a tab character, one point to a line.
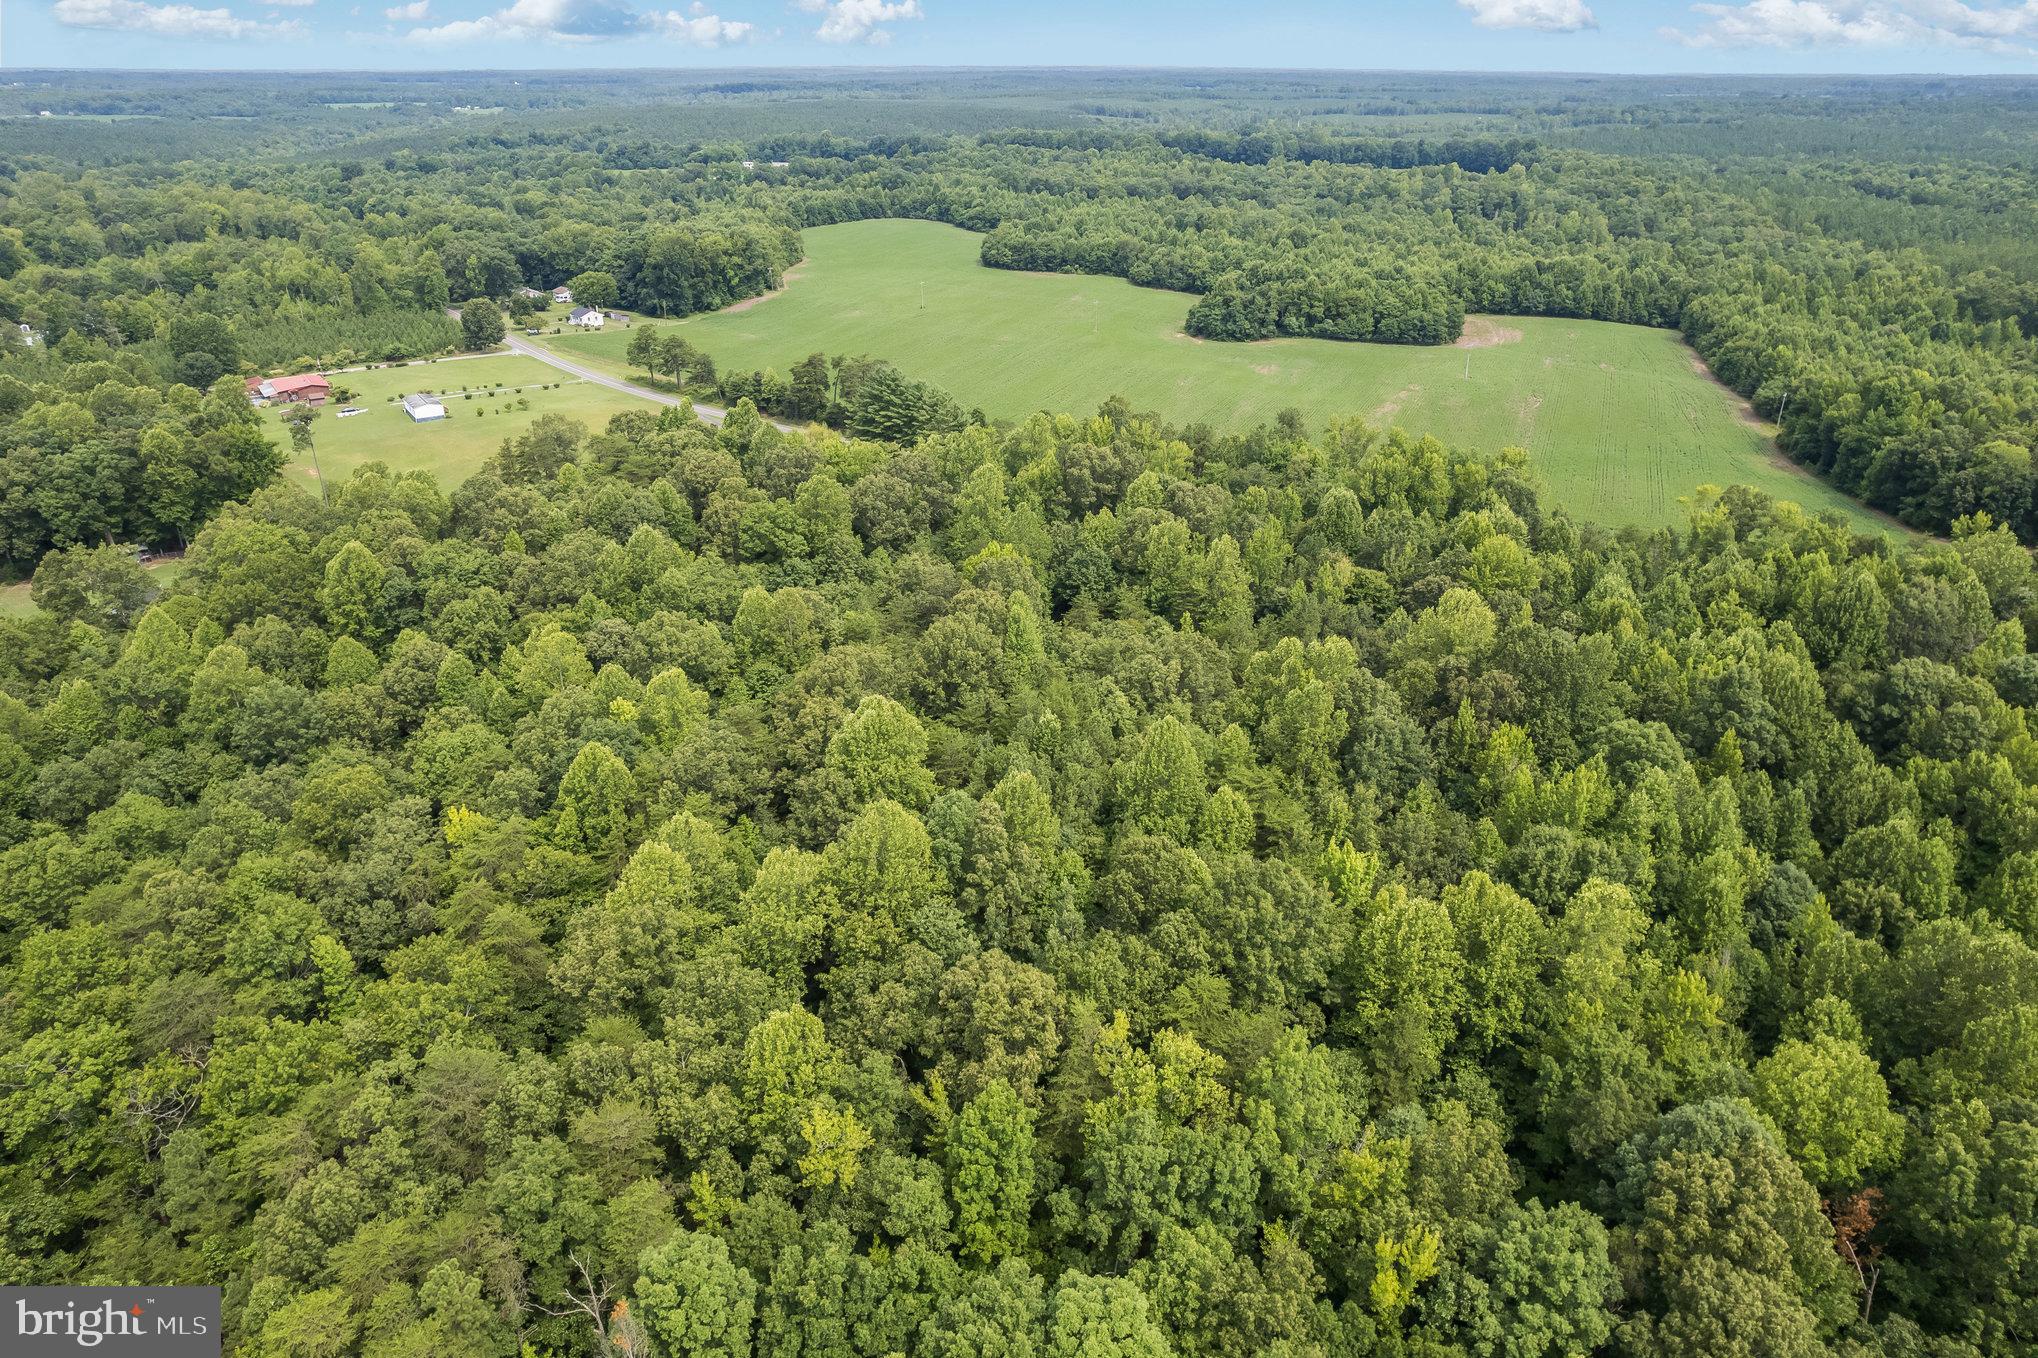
847	21
409	14
163	21
1865	23
587	21
1548	16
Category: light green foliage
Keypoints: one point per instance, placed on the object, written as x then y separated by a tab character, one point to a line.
1828	1099
990	1153
614	952
881	752
352	593
787	1062
835	1143
1101	1318
693	1301
595	799
1161	787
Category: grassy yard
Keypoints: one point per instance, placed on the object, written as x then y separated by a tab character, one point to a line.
1621	421
451	449
17	601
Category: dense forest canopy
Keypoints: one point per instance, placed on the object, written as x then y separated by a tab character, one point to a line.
1087	887
732	891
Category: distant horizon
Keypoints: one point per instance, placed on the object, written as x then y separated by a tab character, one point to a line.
852	68
1640	38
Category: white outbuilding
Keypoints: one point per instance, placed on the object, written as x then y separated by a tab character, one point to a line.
424	406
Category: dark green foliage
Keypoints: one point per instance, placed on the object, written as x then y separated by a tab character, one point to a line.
1084	888
481	324
866	397
91	453
715	891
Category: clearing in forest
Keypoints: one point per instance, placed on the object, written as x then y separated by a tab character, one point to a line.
475	392
1618	424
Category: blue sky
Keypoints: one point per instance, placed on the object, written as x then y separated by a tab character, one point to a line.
1566	35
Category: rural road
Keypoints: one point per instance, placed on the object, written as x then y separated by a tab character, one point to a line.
519	345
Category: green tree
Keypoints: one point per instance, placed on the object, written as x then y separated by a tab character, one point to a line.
1161	786
103	586
594	807
1090	1317
881	752
990	1152
1722	1244
693	1301
352	595
298	420
481	324
1828	1099
595	288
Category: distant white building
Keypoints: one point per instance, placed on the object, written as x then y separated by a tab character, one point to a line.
424	406
590	318
562	295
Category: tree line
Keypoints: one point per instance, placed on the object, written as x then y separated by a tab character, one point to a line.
1895	362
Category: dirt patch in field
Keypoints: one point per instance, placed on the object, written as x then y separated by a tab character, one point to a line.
1266	369
784	282
1783	462
1392	405
1743	409
1483	332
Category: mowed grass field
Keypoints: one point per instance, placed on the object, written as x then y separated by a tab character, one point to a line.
454	448
1621	422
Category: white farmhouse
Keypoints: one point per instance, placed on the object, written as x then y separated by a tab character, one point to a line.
587	317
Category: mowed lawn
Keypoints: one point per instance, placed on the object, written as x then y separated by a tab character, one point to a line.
1621	421
18	601
454	448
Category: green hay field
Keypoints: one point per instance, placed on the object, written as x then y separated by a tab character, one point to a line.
454	448
1621	421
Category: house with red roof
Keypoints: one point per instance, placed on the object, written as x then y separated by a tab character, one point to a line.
309	388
